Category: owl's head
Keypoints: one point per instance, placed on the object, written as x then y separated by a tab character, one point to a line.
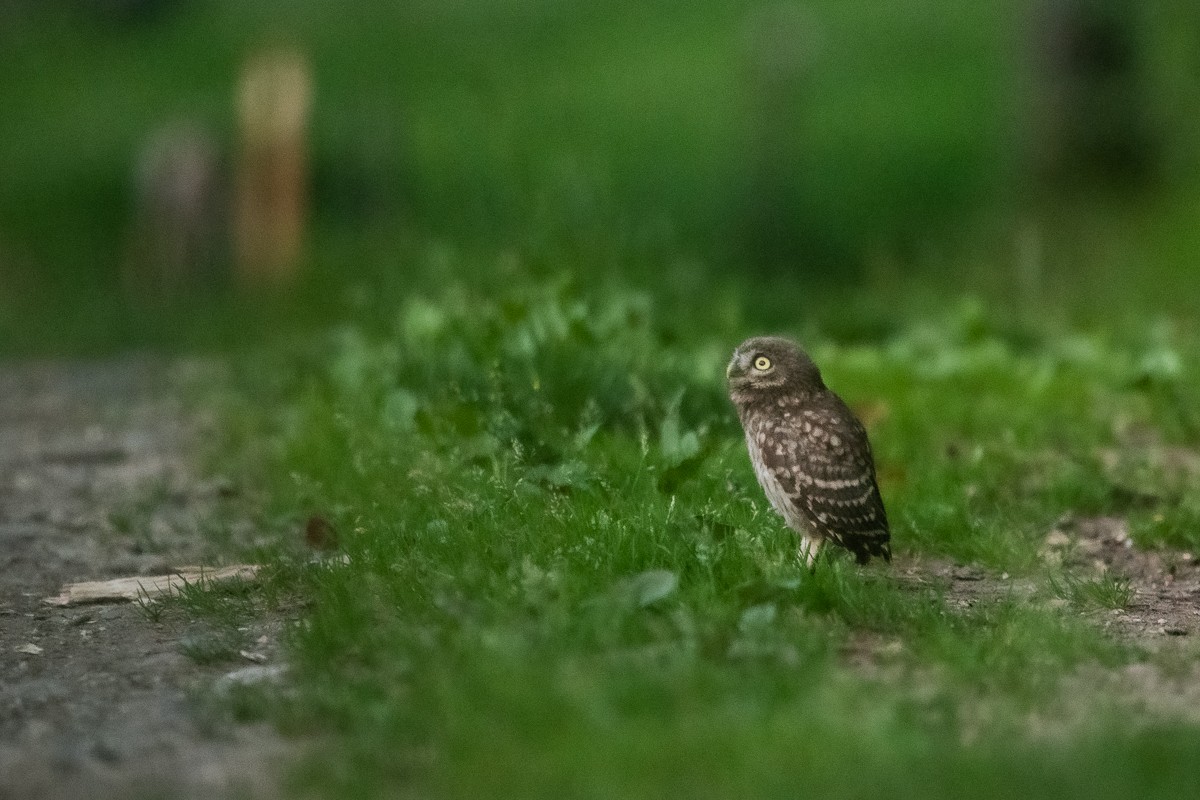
771	365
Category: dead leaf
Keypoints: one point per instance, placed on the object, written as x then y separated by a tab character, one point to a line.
319	533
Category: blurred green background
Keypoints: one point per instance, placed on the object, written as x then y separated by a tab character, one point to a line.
532	233
842	160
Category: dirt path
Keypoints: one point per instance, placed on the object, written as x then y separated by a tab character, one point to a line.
94	483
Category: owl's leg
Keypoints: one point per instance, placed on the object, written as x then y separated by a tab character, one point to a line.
809	547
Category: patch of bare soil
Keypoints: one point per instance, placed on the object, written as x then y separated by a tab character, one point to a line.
95	482
1161	616
1165	583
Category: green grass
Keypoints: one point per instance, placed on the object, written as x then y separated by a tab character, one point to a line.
562	578
1106	591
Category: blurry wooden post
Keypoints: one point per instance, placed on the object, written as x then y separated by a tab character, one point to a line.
176	244
1091	117
271	174
781	42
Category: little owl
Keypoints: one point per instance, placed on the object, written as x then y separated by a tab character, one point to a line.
809	451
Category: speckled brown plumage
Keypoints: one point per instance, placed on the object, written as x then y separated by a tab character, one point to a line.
809	451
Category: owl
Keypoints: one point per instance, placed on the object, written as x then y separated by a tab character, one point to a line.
809	451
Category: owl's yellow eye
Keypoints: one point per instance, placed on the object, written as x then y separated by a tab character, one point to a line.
762	363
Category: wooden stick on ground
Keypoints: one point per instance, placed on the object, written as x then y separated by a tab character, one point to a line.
148	586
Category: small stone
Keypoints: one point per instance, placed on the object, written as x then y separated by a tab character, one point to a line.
250	676
30	649
1057	538
892	648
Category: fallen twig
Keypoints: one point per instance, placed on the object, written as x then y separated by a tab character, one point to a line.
148	586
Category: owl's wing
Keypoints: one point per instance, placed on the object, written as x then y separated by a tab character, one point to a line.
823	461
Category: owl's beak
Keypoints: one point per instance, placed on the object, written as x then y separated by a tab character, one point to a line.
734	366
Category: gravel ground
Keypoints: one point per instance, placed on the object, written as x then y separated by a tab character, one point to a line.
95	482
